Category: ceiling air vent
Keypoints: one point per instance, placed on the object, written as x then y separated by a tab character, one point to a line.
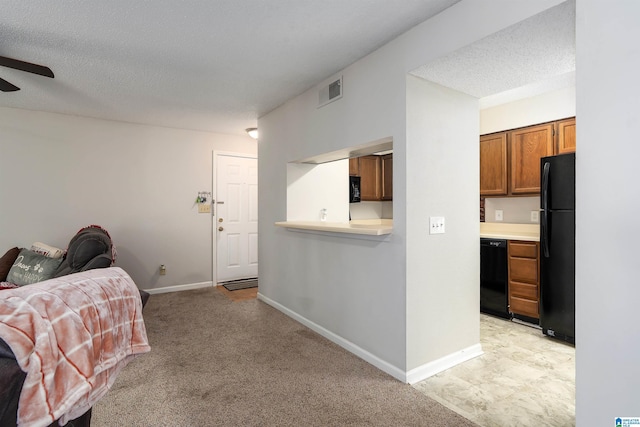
330	92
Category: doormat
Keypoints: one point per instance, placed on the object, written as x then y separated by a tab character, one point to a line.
240	284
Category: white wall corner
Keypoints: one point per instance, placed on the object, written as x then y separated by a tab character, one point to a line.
384	366
436	366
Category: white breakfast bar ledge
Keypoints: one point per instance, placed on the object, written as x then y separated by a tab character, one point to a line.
368	227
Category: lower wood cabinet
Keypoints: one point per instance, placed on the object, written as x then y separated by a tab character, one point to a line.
524	278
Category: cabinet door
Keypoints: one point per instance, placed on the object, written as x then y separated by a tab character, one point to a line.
387	177
493	164
566	136
528	146
370	178
354	169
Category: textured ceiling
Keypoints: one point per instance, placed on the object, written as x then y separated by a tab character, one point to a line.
528	58
213	65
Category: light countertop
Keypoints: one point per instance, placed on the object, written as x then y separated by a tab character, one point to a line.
371	227
499	230
379	227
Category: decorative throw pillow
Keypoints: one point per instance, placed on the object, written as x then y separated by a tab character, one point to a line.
46	250
7	261
31	267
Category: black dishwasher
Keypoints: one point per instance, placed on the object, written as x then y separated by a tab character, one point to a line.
494	277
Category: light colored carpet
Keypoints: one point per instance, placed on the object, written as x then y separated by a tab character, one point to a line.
215	362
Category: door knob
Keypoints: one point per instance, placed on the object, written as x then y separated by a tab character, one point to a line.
220	228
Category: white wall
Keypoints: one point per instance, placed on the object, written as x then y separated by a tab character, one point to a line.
515	210
60	173
607	160
443	270
371	210
312	188
555	105
353	289
350	287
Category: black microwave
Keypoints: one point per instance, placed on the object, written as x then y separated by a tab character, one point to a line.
354	189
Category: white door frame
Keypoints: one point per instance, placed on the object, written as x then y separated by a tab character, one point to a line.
214	214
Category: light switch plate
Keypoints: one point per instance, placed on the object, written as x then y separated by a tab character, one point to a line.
436	225
204	208
498	215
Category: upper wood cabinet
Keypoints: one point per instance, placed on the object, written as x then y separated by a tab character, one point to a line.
510	160
566	136
354	167
387	177
493	164
528	146
370	178
376	176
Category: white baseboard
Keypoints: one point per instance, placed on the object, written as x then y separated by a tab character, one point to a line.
411	377
176	288
429	369
395	372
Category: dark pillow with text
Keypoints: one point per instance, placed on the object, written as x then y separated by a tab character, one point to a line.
30	267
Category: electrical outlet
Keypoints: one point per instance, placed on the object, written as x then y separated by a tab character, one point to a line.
436	225
498	215
204	208
163	270
534	216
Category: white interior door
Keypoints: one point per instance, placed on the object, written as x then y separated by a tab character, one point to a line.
236	217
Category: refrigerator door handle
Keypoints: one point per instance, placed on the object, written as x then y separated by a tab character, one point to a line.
544	224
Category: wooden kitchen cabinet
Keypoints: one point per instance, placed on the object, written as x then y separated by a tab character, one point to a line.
354	167
387	177
376	176
524	278
566	136
493	165
370	169
510	160
528	146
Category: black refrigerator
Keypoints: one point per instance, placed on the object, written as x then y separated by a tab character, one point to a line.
557	246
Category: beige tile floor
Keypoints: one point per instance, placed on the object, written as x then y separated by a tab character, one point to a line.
522	379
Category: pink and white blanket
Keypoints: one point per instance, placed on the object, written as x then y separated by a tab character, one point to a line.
71	335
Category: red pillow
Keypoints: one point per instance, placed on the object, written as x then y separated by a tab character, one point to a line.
6	262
